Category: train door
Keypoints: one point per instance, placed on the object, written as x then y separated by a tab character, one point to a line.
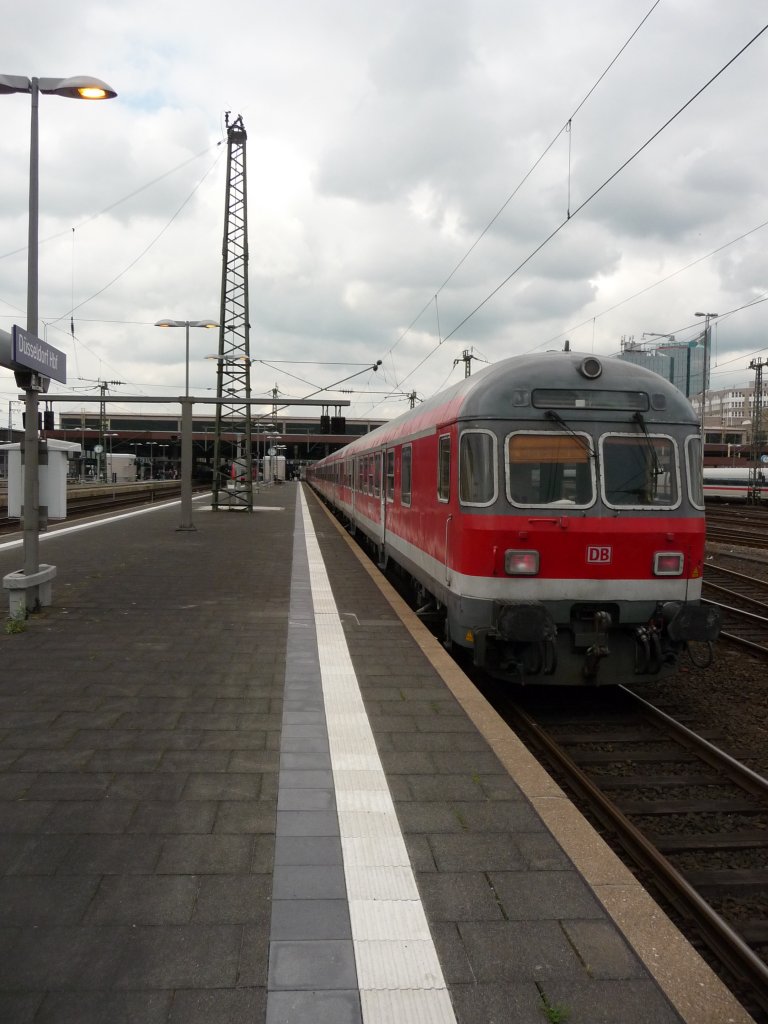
444	496
387	494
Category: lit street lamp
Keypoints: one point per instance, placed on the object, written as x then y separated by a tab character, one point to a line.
80	87
186	324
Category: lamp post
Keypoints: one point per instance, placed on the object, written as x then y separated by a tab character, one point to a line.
186	324
80	87
705	374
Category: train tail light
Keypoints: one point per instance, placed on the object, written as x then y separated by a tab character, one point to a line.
521	563
668	563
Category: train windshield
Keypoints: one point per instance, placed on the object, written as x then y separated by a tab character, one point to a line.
639	471
550	469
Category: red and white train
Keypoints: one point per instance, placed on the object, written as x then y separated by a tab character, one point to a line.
549	511
726	483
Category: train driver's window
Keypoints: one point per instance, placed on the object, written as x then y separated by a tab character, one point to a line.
550	469
477	468
640	471
405	474
444	468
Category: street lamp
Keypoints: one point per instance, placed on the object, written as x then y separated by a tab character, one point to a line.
705	375
80	87
186	324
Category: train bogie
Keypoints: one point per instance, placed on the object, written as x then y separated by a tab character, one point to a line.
548	510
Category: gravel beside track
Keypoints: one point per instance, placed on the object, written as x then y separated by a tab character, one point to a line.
732	695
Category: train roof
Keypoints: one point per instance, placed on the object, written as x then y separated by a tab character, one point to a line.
505	388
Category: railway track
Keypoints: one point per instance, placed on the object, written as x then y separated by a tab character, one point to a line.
743	604
690	817
743	525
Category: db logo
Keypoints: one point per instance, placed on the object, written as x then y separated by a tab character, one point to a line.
600	553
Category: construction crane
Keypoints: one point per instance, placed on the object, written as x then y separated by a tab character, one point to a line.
655	334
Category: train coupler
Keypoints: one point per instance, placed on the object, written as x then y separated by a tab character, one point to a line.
599	648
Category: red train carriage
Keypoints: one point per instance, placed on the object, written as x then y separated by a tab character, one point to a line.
550	512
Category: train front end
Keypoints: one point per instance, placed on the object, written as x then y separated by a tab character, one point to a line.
584	563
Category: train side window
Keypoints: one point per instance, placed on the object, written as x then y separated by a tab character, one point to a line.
406	460
444	468
478	483
391	475
377	475
550	469
640	472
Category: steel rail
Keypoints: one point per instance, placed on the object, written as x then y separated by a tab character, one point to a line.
743	963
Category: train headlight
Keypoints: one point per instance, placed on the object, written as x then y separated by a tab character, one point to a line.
521	563
668	563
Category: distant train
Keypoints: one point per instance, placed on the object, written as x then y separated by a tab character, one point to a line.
735	484
549	513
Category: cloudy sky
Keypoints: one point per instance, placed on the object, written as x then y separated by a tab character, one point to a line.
424	178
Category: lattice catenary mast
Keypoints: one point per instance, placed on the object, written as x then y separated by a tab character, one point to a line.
232	452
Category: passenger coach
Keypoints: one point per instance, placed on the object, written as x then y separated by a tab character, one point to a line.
549	512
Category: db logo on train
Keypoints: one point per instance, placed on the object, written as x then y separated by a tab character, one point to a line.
600	553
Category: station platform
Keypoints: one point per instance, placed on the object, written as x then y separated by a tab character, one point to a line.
240	782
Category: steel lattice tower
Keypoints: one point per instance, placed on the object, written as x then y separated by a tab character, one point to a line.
232	452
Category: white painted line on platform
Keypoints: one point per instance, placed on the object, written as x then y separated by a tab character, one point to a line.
398	970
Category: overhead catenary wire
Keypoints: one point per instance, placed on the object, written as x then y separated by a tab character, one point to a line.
565	127
587	201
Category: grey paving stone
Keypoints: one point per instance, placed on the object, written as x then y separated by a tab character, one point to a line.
197	854
306	882
102	1007
92	816
296	965
306	799
49	958
19	1007
110	855
306	761
159	817
541	853
458	897
542	895
468	852
148	786
316	850
317	1007
305	744
245	817
518	1002
603	949
223	786
297	778
143	899
597	1001
307	823
451	953
185	956
234	899
218	1006
254	958
44	900
502	951
310	919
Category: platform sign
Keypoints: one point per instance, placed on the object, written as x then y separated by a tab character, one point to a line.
37	355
